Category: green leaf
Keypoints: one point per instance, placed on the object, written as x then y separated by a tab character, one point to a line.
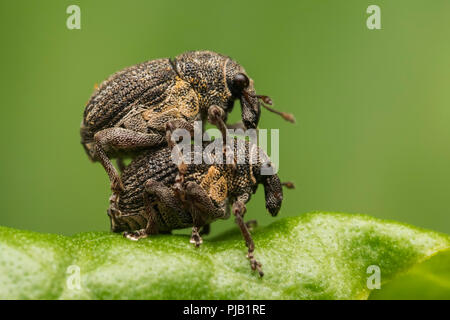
314	256
427	280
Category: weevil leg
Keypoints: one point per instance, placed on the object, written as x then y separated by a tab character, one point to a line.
215	117
174	124
164	195
196	239
201	208
116	183
136	235
239	210
200	202
152	222
171	126
151	227
111	139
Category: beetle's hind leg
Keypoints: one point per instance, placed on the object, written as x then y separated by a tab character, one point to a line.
111	139
165	196
202	209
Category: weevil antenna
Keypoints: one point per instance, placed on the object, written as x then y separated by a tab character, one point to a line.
286	116
266	101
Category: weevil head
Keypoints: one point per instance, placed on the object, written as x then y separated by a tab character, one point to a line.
242	88
220	81
264	172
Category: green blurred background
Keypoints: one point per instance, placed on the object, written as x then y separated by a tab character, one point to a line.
372	106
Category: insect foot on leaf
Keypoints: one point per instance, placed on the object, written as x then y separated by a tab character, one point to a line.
255	265
135	235
196	239
239	210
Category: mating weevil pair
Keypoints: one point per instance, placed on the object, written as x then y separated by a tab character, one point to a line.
133	113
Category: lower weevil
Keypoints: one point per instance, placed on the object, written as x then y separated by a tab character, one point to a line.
150	203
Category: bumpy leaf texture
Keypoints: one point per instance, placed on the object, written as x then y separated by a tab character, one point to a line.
314	256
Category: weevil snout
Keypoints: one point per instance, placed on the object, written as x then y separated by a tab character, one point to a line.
251	109
274	194
241	87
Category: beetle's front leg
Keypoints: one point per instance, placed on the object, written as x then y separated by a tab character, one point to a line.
202	209
215	117
112	139
171	126
239	210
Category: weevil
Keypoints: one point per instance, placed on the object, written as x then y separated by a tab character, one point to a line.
149	204
133	108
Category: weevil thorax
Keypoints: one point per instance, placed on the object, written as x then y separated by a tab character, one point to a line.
211	75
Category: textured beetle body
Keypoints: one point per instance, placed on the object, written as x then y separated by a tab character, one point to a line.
152	203
146	96
220	183
132	109
158	166
141	98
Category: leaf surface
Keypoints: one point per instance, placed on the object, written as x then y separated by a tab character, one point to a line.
314	256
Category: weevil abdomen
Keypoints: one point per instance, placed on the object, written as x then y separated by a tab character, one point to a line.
142	84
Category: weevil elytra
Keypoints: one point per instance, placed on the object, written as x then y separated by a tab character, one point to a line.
149	204
130	110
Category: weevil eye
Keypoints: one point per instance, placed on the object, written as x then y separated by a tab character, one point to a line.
240	82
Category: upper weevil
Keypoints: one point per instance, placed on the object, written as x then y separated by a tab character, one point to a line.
133	109
150	204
